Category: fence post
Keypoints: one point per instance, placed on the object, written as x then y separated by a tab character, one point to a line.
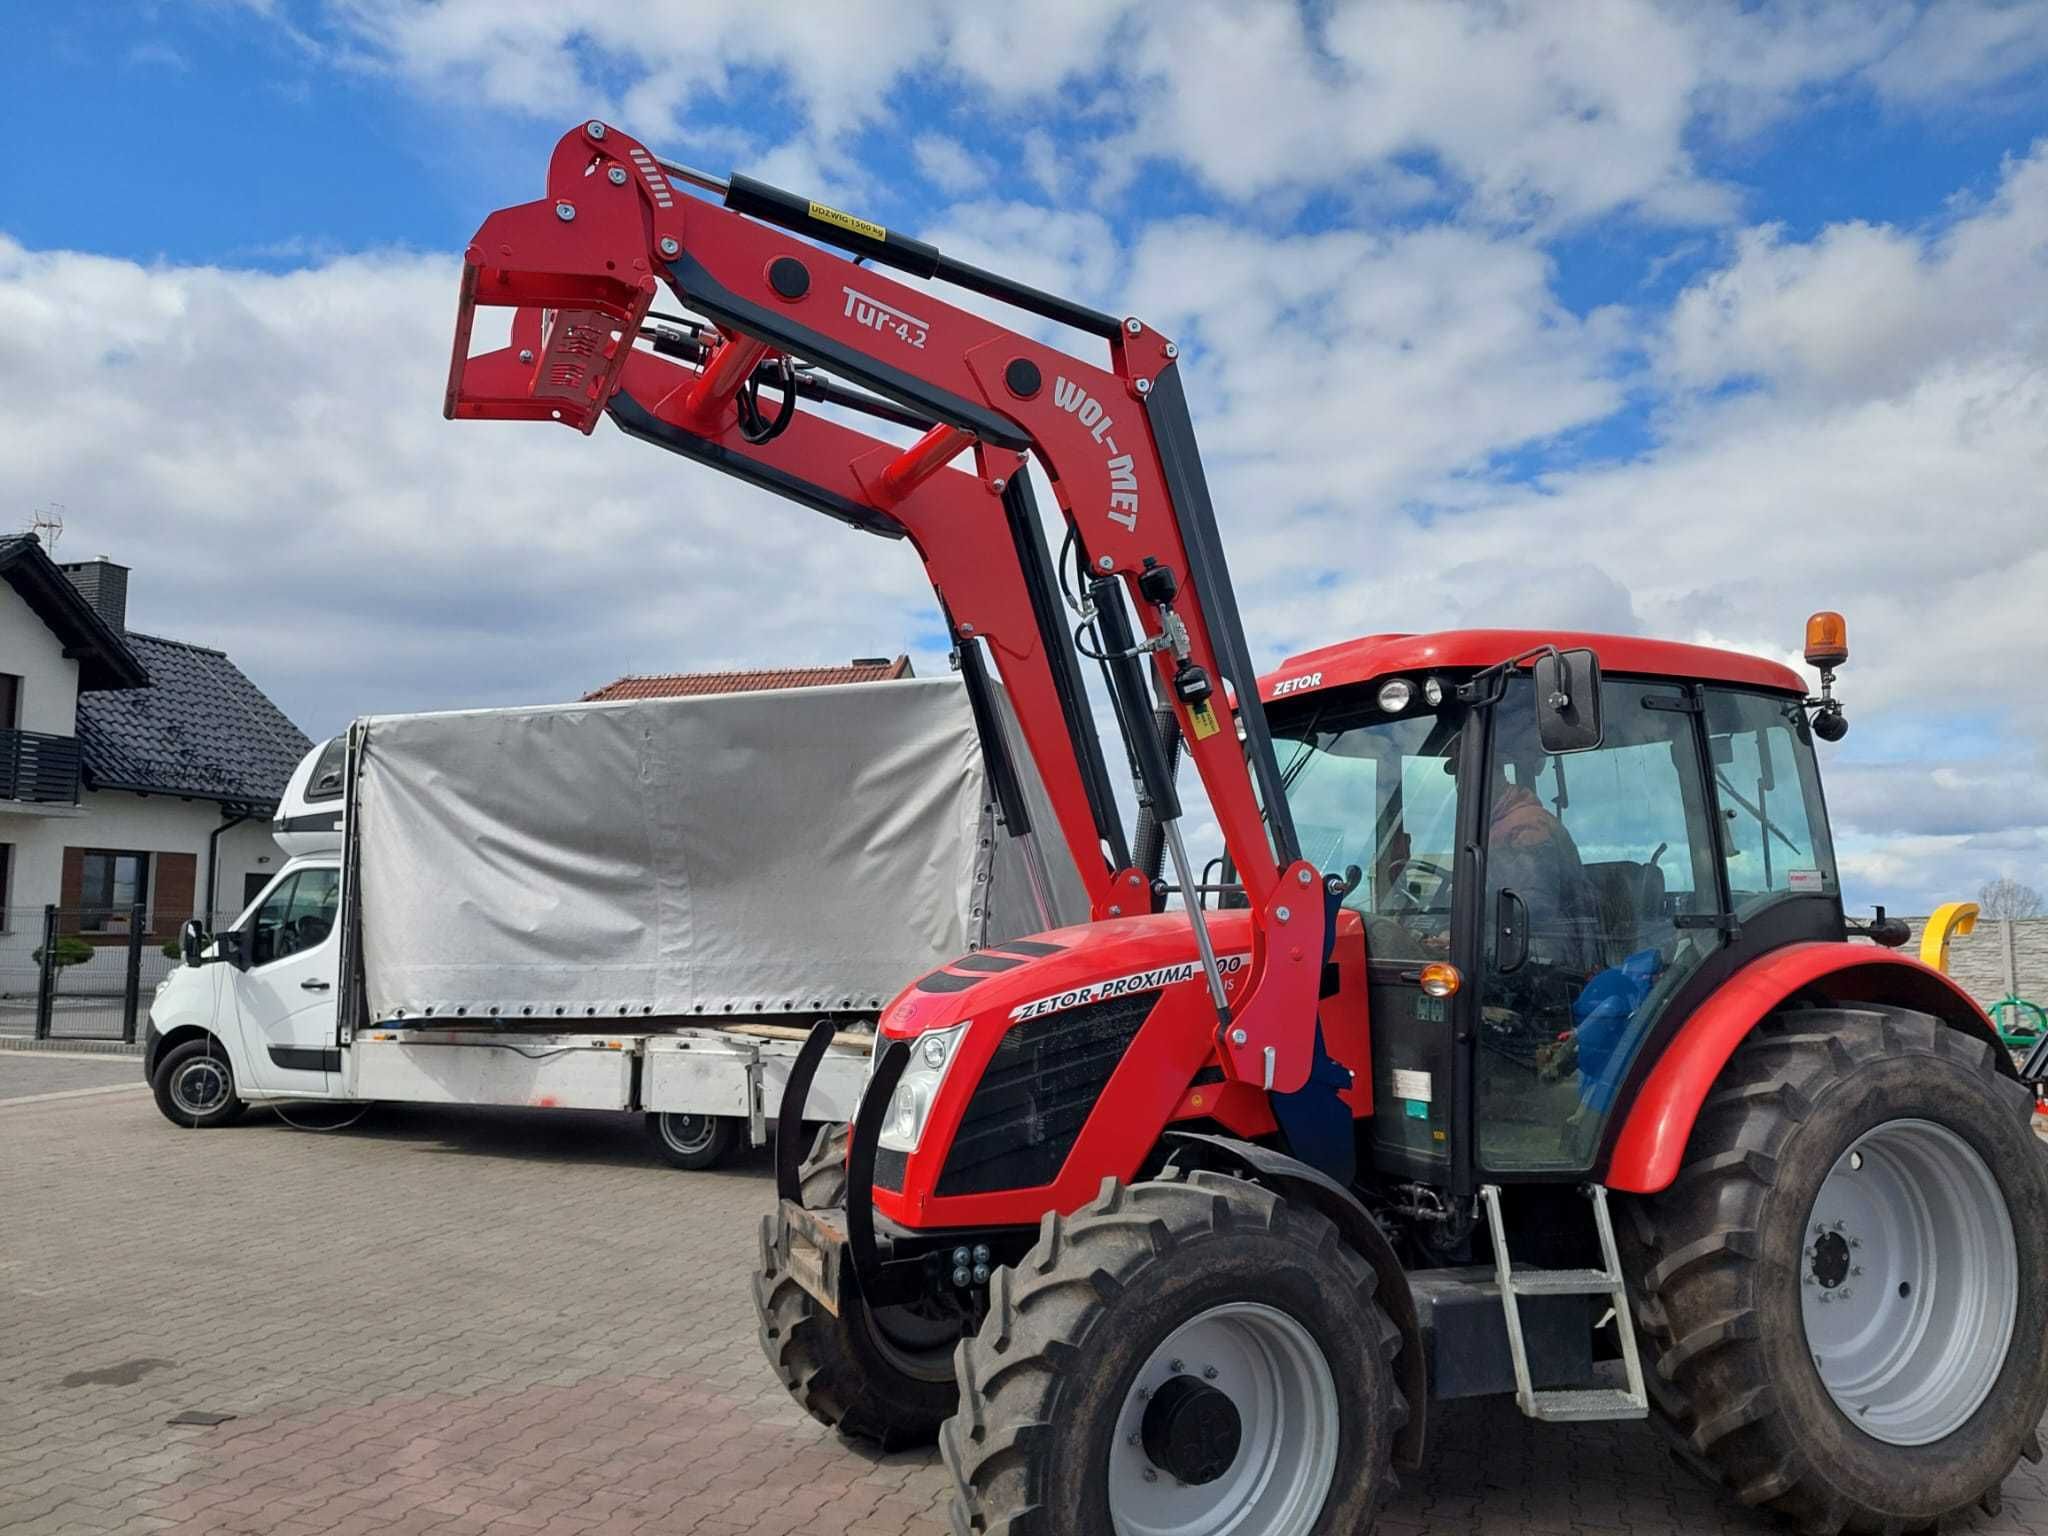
46	976
131	994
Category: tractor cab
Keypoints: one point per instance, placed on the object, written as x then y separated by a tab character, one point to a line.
1533	909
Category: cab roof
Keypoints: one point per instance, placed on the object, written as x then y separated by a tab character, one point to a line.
1354	661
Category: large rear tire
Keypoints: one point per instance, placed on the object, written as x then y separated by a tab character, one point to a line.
1192	1354
1846	1287
879	1374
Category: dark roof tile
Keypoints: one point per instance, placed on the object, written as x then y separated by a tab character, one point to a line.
201	729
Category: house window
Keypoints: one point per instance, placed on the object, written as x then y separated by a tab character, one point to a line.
6	880
111	884
10	705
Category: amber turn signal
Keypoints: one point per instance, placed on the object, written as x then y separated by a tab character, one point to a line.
1440	980
1827	640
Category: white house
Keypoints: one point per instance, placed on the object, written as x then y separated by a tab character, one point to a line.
133	769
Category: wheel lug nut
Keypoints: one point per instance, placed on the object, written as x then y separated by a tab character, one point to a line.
1175	1366
1855	1270
1210	1373
1151	1476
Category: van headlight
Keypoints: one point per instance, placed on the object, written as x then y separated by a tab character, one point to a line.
918	1089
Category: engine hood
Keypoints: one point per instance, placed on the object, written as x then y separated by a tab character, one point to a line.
1067	968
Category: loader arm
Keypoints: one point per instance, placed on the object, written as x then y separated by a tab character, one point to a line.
771	312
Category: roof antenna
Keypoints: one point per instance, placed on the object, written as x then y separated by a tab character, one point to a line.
47	524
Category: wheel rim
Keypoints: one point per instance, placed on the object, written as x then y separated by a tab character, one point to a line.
200	1086
1277	1385
1909	1282
689	1134
919	1342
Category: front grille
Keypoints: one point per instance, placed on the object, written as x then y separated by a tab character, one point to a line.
1036	1093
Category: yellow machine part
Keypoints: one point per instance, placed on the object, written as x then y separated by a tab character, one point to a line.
1949	919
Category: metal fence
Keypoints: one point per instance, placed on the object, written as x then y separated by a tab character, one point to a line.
70	974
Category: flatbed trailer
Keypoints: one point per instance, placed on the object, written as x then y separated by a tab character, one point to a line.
634	907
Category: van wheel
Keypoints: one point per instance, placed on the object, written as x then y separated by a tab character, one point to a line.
195	1086
693	1141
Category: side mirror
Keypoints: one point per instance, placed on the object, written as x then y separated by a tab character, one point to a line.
228	946
1568	701
191	940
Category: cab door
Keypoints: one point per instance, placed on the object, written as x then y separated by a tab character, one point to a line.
1601	898
285	998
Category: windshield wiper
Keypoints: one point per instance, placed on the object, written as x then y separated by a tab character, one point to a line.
1769	825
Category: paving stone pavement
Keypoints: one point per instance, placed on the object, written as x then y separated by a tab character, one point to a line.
469	1321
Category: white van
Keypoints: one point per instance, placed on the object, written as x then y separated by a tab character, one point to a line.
642	906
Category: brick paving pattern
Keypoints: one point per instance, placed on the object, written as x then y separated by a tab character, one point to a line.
462	1322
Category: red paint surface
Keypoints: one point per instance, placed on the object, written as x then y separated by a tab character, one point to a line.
1352	661
1154	1082
1652	1142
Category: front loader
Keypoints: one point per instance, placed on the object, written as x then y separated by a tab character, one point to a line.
1517	1044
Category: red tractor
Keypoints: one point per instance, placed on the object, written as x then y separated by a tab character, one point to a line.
1517	1044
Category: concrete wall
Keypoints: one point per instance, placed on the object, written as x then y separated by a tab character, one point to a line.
1977	959
49	682
139	824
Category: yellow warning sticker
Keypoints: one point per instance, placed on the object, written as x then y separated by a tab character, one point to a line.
826	215
1205	721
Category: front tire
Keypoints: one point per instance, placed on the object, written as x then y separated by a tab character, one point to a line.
883	1375
1847	1283
693	1141
1191	1354
195	1086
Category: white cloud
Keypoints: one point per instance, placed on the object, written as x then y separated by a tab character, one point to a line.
268	453
1520	110
950	166
1866	310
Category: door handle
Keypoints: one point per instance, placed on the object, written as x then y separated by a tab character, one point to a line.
1511	942
309	985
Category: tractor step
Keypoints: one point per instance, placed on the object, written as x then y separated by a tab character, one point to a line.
1563	1282
1580	1405
1576	1404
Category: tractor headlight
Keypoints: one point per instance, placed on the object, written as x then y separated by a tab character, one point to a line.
918	1089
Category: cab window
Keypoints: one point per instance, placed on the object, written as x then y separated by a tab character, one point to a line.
297	915
1375	800
1600	899
1774	830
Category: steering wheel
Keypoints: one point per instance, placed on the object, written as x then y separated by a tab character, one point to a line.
1398	886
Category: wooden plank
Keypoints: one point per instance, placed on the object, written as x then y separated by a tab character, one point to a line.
794	1032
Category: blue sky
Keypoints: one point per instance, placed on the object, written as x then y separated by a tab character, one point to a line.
1686	322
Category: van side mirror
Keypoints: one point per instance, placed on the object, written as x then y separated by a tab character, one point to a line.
1568	701
191	940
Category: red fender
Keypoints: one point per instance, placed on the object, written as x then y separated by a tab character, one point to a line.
1653	1137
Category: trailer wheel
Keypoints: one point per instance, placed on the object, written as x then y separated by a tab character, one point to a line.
693	1141
1847	1284
1192	1354
879	1374
195	1086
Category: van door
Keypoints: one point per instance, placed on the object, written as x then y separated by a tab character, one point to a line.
285	998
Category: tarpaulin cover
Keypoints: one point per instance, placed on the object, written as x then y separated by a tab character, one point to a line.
773	852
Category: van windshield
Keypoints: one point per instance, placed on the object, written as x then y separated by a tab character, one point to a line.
1375	799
